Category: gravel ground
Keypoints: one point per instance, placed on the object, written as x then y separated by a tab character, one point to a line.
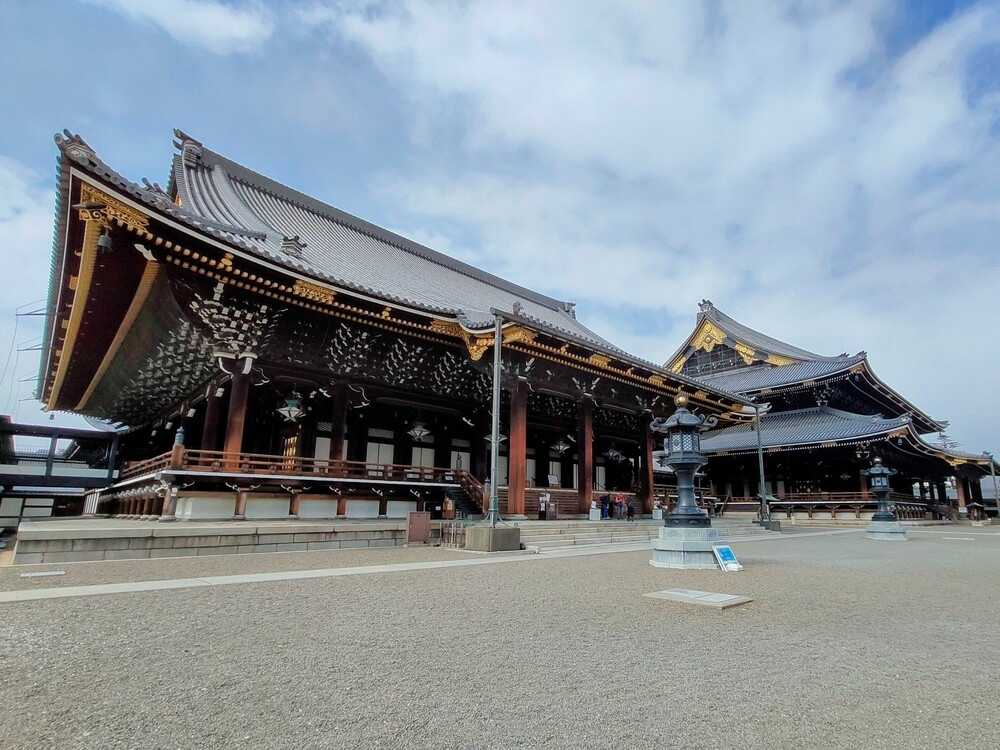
848	644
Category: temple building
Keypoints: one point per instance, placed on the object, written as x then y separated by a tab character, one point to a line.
828	417
266	355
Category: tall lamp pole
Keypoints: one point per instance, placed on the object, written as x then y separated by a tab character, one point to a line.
993	473
765	508
494	513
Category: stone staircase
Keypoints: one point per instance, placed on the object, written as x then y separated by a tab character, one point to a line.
548	535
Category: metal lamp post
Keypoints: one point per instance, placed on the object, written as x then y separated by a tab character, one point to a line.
494	513
765	506
993	473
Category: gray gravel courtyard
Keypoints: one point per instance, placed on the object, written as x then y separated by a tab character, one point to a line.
848	643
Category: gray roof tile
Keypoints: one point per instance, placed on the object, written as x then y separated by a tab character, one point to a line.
818	424
352	252
748	379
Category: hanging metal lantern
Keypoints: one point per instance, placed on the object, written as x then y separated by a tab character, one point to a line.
615	455
291	410
561	447
418	431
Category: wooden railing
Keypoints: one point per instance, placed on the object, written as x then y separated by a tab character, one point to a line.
148	466
474	489
826	497
262	463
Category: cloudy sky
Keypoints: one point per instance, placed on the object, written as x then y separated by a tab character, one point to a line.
824	172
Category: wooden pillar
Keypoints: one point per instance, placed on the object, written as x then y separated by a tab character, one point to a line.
294	504
517	447
210	428
238	396
976	490
338	421
864	485
240	513
963	498
585	448
169	509
646	464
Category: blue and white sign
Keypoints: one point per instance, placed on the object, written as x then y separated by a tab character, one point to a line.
726	558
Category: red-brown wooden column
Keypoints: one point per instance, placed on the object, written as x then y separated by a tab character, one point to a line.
646	478
585	451
238	396
517	447
338	418
960	490
210	428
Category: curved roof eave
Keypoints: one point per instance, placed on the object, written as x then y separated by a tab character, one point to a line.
73	150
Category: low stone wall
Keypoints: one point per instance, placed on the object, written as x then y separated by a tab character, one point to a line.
184	541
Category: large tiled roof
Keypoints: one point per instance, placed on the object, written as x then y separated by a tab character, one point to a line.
752	337
351	252
757	377
819	424
235	205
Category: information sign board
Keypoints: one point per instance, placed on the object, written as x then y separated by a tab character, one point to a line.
726	558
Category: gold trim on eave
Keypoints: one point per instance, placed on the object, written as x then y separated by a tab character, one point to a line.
88	258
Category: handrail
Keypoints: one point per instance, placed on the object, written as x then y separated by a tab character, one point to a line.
146	466
209	461
203	460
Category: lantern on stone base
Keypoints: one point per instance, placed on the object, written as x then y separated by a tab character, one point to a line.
682	453
884	526
685	541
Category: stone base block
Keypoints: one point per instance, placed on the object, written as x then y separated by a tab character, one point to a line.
595	514
886	531
399	508
317	507
207	506
264	508
493	539
362	508
685	548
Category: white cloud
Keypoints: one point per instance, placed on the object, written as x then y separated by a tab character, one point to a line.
26	215
779	159
215	26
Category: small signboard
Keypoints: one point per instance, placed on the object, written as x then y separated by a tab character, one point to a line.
726	558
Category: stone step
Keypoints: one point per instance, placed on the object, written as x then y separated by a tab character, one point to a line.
553	541
586	530
609	539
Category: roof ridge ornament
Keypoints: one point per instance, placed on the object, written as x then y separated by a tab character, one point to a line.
190	148
705	306
292	245
74	146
